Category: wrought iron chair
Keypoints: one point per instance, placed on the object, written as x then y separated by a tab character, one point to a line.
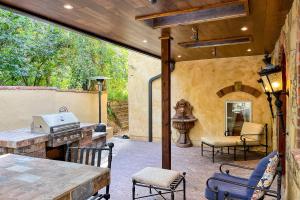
224	186
94	157
251	136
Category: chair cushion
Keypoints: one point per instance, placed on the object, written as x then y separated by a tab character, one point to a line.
234	191
267	178
258	172
156	176
251	130
221	141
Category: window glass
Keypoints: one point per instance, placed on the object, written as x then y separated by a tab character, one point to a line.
237	112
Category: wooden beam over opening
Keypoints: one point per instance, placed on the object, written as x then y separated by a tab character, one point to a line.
216	42
210	12
166	97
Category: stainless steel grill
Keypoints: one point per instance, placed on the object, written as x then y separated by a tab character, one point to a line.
61	127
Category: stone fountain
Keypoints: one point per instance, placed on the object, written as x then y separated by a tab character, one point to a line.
183	121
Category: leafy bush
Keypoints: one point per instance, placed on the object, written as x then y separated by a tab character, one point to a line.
33	53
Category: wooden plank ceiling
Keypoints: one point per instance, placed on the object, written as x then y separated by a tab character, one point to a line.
115	19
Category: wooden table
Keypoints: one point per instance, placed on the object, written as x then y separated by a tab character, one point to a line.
23	177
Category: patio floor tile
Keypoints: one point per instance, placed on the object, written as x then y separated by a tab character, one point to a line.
132	156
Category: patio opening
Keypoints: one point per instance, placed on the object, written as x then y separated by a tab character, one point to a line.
143	99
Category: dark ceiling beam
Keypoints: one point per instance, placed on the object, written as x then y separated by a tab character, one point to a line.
70	27
216	42
211	12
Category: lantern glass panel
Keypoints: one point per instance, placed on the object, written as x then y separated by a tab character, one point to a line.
261	84
266	84
276	81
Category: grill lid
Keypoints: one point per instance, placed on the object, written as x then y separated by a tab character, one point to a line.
52	123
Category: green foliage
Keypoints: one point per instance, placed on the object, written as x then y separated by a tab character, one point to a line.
33	53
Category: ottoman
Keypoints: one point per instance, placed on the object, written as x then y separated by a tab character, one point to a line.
220	142
162	181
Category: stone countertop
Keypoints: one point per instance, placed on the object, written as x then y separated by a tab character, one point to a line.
86	126
28	178
23	137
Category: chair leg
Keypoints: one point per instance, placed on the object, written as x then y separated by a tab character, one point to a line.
172	195
216	193
150	189
201	148
266	150
234	153
184	186
213	154
221	150
245	149
107	195
133	190
279	182
228	150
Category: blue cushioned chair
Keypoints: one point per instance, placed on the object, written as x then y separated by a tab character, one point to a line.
223	185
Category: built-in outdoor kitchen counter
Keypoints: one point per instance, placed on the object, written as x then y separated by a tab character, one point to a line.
24	142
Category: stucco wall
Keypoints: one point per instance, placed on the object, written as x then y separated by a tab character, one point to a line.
141	69
197	82
19	104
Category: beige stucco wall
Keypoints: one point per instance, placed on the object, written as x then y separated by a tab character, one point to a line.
141	69
197	82
17	106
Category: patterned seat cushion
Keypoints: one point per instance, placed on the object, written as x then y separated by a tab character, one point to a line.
266	180
259	171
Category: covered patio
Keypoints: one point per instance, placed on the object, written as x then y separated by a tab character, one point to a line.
132	156
212	62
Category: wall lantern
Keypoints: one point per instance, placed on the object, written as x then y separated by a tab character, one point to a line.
271	80
271	76
269	97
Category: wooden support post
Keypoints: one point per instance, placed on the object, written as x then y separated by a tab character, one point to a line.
166	97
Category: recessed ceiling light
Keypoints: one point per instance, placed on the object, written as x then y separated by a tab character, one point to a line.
68	6
249	50
179	56
145	41
245	28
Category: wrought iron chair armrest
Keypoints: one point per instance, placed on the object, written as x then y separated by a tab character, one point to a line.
238	184
226	133
242	136
232	165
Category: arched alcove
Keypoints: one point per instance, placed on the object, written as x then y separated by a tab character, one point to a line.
239	87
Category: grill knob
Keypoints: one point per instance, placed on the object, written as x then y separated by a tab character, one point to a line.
65	138
72	136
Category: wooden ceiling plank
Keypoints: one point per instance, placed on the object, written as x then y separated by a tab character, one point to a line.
200	16
116	23
185	11
210	12
216	42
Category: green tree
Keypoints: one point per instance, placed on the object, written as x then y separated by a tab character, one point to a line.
33	53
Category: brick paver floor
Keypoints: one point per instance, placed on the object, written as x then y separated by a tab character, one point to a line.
132	156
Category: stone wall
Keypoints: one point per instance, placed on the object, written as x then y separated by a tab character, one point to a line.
19	104
197	82
289	45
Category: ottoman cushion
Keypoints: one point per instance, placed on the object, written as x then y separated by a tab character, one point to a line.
156	177
221	141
